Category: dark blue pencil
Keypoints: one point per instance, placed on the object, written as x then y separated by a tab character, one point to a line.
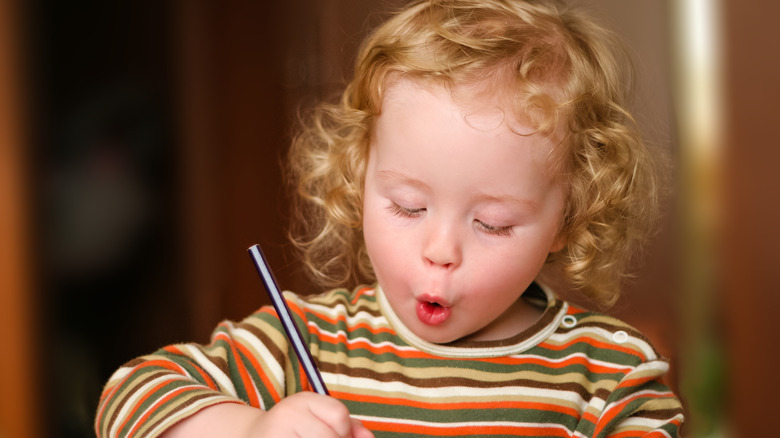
288	323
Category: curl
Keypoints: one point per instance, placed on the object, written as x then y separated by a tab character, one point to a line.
553	68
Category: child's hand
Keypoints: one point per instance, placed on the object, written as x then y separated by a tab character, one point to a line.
305	414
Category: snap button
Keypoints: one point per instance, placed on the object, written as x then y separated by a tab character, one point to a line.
620	336
569	321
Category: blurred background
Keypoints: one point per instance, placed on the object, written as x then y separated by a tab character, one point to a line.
140	156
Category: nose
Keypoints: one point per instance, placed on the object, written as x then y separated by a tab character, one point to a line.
442	245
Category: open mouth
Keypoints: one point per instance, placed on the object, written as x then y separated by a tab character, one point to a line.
432	312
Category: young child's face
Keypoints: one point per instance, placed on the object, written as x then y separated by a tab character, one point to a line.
460	214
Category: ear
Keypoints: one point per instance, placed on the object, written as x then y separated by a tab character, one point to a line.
559	243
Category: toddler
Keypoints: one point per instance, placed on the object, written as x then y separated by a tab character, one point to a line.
478	141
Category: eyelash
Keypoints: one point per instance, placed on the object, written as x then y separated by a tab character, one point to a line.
404	211
416	212
494	230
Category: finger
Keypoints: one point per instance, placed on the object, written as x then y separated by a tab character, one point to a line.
360	431
313	427
333	413
300	416
310	425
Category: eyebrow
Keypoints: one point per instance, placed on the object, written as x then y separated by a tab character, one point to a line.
402	178
484	197
394	175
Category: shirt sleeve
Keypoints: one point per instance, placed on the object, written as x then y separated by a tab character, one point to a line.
641	406
248	362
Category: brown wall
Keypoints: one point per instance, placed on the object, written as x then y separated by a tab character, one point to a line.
17	362
752	212
245	69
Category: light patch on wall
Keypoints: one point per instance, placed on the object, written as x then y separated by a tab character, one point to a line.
699	100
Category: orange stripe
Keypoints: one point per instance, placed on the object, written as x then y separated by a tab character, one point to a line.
159	362
152	409
342	319
209	381
638	381
615	409
649	434
340	339
362	291
297	310
392	401
245	378
261	373
594	343
173	349
140	403
305	384
466	430
633	433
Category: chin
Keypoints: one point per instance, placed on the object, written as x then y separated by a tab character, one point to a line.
439	338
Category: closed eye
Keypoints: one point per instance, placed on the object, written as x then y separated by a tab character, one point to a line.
493	229
402	211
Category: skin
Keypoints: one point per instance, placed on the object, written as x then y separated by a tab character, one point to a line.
460	214
305	414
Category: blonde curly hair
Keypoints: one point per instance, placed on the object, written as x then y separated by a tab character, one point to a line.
562	73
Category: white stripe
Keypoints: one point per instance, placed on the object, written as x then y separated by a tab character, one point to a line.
120	374
223	380
470	424
340	311
637	395
131	401
403	390
184	413
518	357
275	369
156	404
640	423
606	336
361	339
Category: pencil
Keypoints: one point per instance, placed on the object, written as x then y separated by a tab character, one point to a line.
288	323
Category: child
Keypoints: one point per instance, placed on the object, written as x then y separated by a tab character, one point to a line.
478	141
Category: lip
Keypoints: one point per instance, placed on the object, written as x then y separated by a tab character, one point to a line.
432	311
430	298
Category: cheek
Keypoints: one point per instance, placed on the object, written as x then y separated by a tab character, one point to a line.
514	267
373	229
389	249
385	260
506	273
377	238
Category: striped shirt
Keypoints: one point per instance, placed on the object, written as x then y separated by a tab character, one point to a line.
572	374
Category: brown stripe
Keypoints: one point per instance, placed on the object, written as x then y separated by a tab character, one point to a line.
276	352
188	401
659	414
369	307
137	384
444	382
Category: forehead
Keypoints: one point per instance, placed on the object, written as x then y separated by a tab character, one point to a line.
423	126
482	108
492	101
